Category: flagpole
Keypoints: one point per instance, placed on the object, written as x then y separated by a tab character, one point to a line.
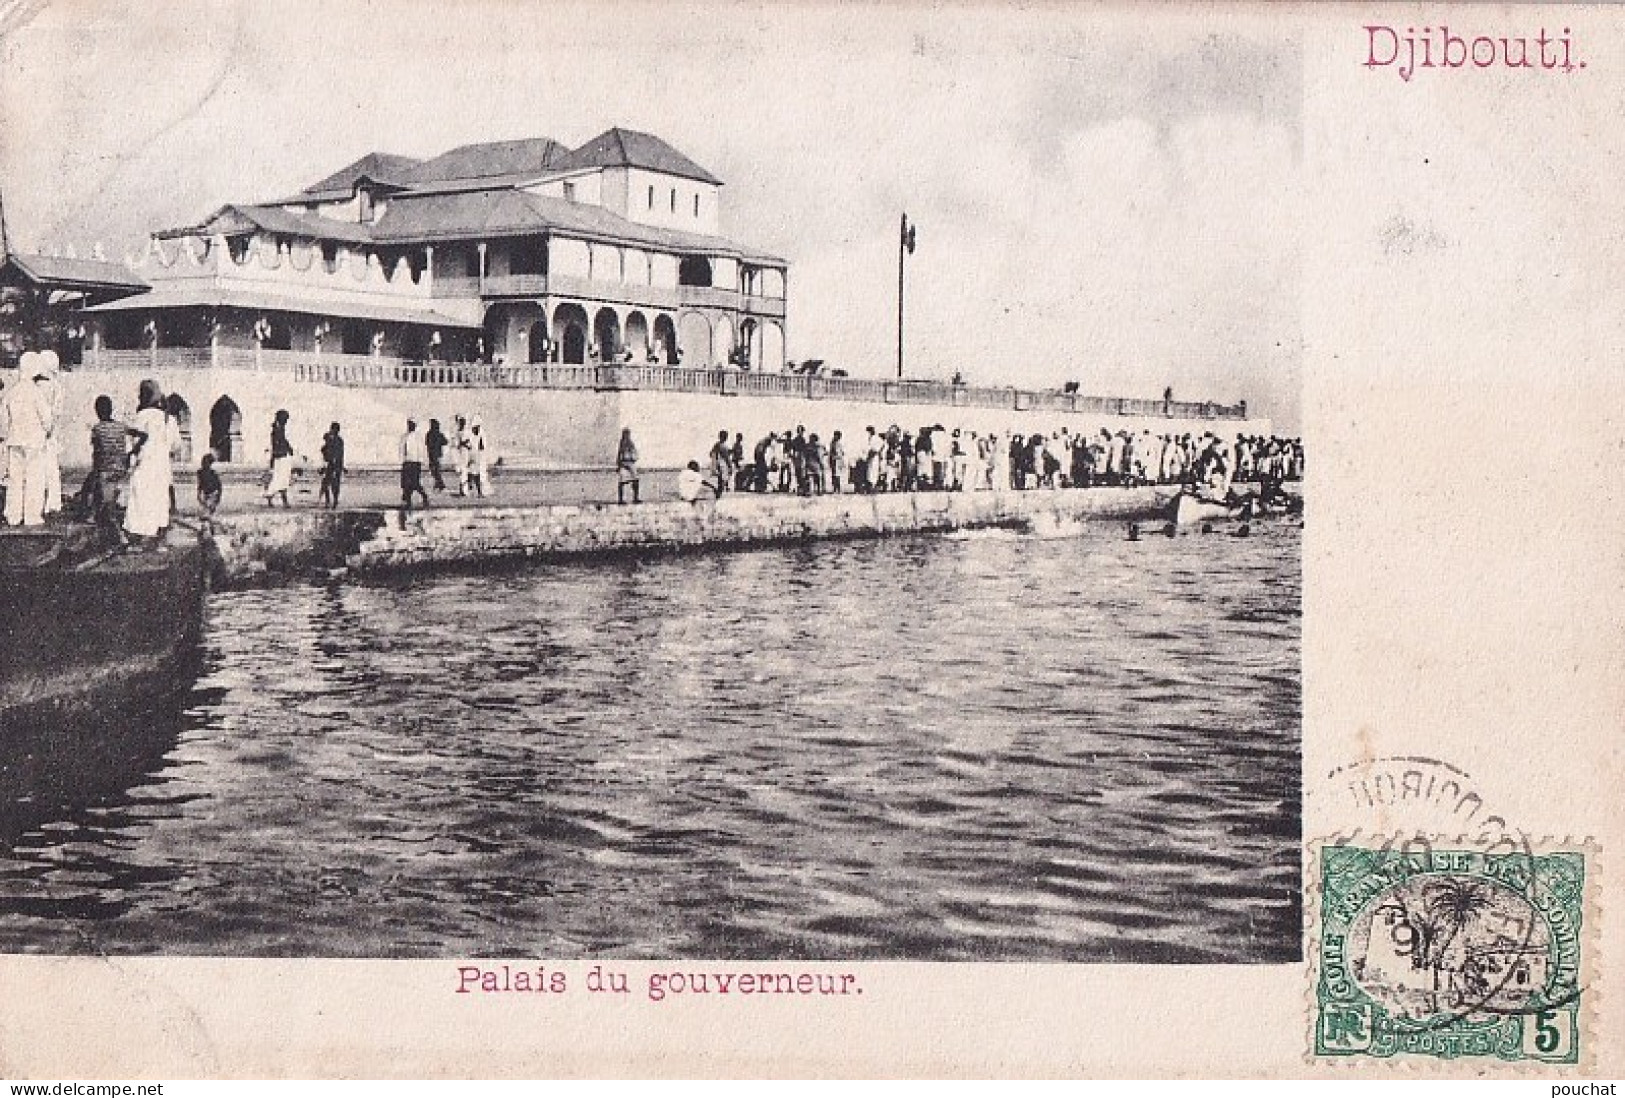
902	244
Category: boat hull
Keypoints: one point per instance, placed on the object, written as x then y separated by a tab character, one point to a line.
1188	510
111	636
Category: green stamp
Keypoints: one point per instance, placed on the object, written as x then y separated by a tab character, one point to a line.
1449	954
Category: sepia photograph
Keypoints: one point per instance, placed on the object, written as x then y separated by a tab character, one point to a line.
644	481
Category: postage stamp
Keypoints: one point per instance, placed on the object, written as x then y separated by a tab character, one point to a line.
1448	952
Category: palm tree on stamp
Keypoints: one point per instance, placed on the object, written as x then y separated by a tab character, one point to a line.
1450	905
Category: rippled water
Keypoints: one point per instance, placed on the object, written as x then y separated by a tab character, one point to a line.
1080	749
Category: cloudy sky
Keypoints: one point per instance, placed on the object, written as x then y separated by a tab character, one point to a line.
1102	195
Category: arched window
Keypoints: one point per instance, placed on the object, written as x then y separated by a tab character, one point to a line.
226	430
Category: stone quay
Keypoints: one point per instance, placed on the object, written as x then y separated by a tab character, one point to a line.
269	546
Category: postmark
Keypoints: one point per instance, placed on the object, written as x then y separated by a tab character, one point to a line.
1427	949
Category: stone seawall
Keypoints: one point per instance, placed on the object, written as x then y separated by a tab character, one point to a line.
295	544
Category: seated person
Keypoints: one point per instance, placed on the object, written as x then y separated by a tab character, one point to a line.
690	483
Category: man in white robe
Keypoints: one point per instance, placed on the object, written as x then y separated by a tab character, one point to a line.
50	387
26	434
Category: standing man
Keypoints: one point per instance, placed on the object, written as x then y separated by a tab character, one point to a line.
109	468
51	455
837	463
435	443
759	470
465	456
721	463
626	466
813	466
736	461
25	433
874	450
281	476
332	466
478	470
413	455
798	461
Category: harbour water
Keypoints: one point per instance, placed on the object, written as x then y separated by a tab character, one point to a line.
987	747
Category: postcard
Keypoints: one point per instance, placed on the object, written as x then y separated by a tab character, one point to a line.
796	539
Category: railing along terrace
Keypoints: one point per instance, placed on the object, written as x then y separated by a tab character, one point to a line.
150	358
455	285
352	370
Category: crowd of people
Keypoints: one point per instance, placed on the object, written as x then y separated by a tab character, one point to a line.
465	454
935	458
129	492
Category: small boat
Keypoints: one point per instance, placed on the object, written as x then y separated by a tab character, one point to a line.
84	631
1188	509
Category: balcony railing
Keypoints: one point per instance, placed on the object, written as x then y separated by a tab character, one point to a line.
620	293
763	306
455	286
384	370
714	297
513	285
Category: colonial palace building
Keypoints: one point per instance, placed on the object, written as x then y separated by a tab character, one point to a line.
504	253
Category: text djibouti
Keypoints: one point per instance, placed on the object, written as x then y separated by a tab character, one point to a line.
1441	48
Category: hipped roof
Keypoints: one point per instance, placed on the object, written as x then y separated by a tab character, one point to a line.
476	191
618	148
390	169
83	275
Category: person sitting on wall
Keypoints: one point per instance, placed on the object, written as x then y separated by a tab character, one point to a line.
690	483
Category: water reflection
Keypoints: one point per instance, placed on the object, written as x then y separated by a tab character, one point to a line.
75	794
1081	749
